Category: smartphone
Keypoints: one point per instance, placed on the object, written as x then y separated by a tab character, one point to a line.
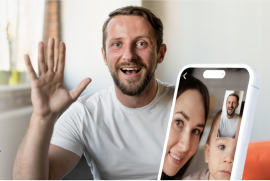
210	122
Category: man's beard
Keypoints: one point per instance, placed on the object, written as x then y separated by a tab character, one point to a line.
231	113
130	88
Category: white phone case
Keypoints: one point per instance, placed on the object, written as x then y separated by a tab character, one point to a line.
247	118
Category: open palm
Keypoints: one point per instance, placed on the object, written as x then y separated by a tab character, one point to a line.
47	91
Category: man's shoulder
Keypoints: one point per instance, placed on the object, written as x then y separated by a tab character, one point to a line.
164	95
166	87
236	116
94	97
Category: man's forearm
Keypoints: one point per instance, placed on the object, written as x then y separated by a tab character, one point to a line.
32	158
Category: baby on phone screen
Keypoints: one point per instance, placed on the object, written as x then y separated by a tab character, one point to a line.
219	154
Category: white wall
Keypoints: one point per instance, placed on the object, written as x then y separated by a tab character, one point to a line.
194	31
82	23
218	32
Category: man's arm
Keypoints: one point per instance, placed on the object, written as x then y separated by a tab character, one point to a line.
42	160
36	159
61	162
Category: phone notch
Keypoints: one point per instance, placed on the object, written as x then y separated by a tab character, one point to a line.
214	74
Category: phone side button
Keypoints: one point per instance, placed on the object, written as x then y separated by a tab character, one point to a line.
246	139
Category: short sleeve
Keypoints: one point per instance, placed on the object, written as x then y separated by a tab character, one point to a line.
67	129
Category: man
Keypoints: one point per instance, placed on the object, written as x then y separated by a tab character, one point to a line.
229	120
120	130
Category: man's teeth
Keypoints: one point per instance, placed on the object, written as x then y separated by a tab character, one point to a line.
175	157
130	68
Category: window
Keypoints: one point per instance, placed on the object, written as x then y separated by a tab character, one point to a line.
21	28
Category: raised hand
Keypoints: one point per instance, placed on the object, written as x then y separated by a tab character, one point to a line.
47	91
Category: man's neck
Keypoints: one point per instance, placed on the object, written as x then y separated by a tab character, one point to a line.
230	117
141	100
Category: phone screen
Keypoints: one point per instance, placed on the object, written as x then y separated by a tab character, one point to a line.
205	124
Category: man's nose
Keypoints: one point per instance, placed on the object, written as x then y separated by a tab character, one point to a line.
184	142
129	53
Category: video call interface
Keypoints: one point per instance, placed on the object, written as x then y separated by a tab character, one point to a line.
218	139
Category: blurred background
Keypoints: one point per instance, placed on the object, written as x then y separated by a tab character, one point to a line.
215	32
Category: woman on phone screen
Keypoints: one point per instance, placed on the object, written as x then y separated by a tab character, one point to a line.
189	118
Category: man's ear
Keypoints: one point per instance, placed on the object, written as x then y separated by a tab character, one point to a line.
206	152
161	53
104	56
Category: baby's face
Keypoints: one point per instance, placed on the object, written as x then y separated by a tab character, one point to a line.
220	156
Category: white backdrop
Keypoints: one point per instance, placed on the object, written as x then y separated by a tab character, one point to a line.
194	31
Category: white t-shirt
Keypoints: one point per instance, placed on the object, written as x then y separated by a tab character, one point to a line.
118	142
227	127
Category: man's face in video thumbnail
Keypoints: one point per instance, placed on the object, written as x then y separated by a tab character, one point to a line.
232	104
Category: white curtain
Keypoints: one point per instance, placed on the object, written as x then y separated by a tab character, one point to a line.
21	26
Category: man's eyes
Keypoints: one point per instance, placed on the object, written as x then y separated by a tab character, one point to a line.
222	147
116	44
141	44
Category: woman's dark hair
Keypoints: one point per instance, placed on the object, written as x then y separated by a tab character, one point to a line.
190	83
194	84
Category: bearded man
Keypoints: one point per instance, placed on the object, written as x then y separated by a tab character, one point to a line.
229	120
120	130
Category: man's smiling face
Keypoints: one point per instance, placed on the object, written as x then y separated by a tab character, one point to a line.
231	105
131	53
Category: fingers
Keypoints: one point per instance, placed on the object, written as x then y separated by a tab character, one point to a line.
75	93
61	60
42	67
50	58
29	67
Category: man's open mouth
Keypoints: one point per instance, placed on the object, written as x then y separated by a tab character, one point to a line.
130	71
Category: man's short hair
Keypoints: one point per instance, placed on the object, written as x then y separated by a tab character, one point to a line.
235	95
138	11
